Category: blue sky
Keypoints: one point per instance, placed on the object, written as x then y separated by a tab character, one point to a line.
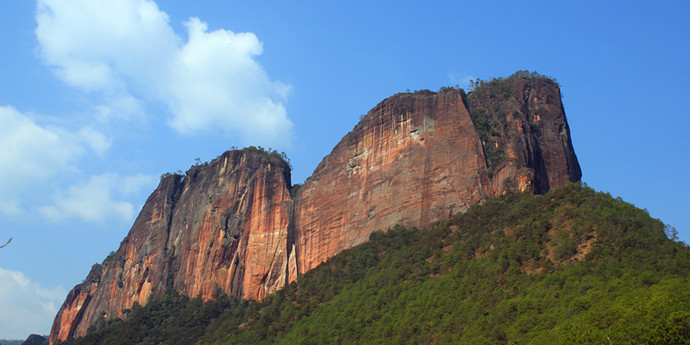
99	98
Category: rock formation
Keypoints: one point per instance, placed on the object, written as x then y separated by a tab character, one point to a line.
220	228
231	226
412	160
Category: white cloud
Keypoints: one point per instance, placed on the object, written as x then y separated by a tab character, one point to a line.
30	150
216	83
26	307
103	45
121	106
31	153
127	51
94	139
95	200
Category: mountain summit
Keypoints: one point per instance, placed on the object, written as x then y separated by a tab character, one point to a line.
237	226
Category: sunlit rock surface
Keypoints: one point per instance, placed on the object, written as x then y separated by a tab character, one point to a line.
231	227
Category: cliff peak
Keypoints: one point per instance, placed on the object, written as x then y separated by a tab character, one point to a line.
231	226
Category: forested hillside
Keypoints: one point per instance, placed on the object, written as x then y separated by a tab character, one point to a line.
573	266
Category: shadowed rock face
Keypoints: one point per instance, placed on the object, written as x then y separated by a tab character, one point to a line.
230	226
526	139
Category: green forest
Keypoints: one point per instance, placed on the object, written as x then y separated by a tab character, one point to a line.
573	266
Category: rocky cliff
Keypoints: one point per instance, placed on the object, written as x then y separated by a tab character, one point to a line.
421	157
413	159
230	226
221	227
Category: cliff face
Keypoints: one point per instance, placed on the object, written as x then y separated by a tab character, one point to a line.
221	228
412	160
526	138
231	227
419	158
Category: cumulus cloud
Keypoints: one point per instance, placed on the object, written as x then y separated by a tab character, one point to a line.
99	45
30	150
26	307
30	153
120	106
96	199
126	53
217	83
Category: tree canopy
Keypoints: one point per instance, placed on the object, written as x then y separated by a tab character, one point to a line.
573	266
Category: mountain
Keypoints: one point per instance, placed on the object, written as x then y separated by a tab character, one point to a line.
35	339
237	226
572	266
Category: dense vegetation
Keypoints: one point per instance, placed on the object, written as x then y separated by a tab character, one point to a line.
573	266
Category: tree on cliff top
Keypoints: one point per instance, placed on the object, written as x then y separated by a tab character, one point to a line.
271	154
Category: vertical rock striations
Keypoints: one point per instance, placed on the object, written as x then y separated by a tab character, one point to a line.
230	226
221	228
422	157
413	159
521	124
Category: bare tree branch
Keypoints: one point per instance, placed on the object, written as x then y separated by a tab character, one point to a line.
8	242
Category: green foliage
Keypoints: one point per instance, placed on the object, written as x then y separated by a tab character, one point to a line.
295	189
424	92
504	82
671	232
573	266
450	88
94	274
170	319
274	156
164	175
443	89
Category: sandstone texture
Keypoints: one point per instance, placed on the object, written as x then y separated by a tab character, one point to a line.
230	226
526	138
220	228
422	157
412	160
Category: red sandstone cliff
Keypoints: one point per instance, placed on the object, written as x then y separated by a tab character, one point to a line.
418	158
415	158
222	227
412	160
